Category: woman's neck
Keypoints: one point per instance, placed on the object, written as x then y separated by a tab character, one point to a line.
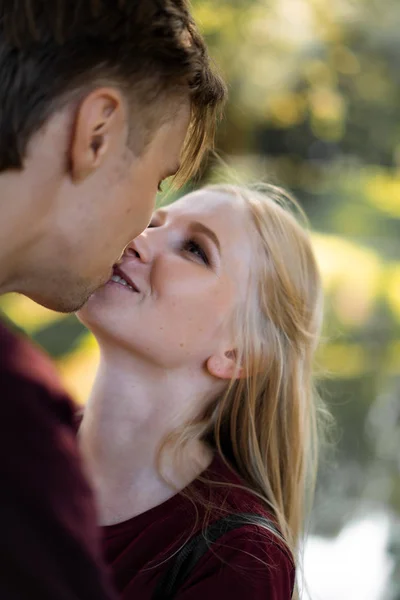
132	409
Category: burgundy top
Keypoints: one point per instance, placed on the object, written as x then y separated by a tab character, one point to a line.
246	563
49	546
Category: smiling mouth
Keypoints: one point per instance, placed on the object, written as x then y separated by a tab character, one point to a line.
121	279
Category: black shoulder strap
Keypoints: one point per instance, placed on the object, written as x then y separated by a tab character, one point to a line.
187	558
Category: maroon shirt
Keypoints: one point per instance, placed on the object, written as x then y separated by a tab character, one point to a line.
247	563
49	546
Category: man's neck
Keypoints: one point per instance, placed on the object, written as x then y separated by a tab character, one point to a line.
18	224
27	197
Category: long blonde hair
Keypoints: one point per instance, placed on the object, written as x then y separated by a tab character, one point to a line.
266	423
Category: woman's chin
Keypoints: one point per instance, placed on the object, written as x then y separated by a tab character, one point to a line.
104	309
82	315
92	309
101	297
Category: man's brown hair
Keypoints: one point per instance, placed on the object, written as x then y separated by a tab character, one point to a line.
54	50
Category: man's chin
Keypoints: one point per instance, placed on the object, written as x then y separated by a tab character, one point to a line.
61	304
67	299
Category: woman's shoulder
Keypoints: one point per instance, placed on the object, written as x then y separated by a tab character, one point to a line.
225	493
245	562
247	553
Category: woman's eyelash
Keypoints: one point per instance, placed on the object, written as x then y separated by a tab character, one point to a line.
193	247
190	245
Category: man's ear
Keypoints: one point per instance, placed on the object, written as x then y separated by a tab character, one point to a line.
100	122
225	366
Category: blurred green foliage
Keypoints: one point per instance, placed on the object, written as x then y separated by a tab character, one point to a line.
314	106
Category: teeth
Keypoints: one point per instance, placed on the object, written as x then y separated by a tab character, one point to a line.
122	281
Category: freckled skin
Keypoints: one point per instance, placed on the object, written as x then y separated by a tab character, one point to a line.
184	313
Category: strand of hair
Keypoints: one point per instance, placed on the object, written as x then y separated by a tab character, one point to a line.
31	19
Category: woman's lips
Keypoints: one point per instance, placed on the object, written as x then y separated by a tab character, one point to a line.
119	276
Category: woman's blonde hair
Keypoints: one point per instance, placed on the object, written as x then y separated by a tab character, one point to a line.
266	423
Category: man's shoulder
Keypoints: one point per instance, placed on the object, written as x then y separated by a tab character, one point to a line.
21	360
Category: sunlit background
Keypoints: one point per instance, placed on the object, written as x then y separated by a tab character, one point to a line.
315	106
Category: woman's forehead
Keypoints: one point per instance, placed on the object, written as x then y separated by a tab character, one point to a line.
209	205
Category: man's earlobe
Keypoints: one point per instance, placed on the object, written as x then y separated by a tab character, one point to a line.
99	124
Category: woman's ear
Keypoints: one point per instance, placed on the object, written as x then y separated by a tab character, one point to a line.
225	366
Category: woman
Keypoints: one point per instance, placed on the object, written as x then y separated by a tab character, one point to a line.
203	406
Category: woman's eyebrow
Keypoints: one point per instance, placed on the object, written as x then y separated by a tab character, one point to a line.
198	227
194	226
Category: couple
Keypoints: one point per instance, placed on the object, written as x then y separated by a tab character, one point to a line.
201	422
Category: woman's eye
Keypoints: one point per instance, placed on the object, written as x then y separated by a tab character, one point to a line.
194	248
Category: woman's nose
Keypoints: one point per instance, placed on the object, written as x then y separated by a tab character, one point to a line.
140	248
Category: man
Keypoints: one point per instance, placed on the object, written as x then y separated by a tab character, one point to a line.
100	100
